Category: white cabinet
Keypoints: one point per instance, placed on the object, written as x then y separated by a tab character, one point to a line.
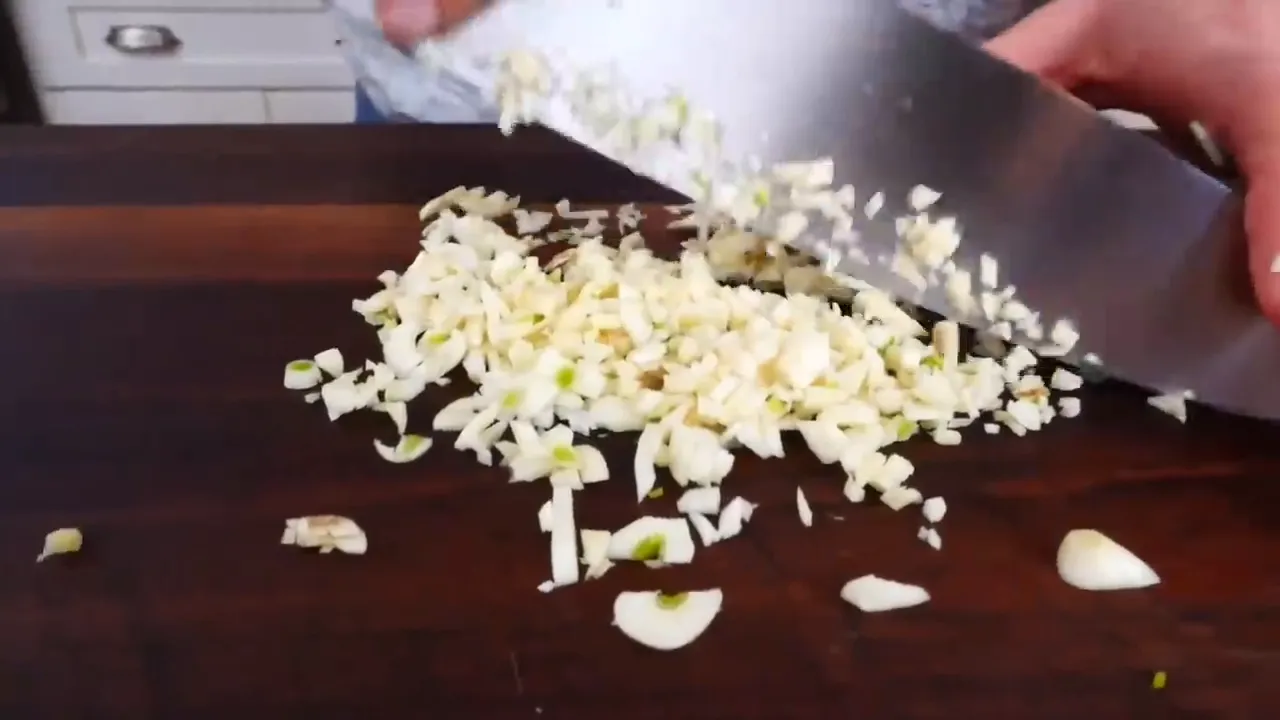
186	61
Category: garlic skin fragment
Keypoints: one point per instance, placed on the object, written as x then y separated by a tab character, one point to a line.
326	532
61	542
1089	560
874	594
665	622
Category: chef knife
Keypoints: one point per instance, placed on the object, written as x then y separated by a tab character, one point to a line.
1090	221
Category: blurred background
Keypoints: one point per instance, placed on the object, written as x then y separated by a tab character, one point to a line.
96	62
101	62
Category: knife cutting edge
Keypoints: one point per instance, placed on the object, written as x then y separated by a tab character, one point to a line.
1096	226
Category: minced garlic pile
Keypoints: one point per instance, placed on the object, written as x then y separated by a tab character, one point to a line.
612	338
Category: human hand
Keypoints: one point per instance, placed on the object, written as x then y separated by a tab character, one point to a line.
408	22
1212	61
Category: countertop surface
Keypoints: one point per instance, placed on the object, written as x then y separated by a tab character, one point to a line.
153	282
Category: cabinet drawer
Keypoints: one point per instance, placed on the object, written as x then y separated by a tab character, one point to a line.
308	107
154	107
75	45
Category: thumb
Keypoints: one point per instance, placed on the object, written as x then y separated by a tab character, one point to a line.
1058	42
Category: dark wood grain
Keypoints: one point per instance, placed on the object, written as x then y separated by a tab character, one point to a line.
143	346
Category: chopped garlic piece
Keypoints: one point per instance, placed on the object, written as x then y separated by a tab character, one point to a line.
330	361
802	506
706	530
1089	560
301	375
1210	146
922	198
666	622
528	222
407	449
326	532
874	594
61	542
874	205
1172	404
700	500
1069	407
544	517
734	515
595	552
1065	380
988	271
934	509
930	537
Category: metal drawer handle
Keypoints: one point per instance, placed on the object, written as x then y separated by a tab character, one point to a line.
143	39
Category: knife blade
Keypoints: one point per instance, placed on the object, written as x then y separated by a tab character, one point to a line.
1143	252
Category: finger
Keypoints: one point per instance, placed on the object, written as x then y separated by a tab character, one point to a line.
1056	42
408	22
405	23
1262	223
456	12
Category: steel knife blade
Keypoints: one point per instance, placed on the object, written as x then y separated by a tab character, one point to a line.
1090	221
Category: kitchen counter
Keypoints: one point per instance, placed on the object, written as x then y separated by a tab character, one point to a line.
153	282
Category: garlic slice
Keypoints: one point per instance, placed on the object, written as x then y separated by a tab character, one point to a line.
874	594
61	542
655	540
326	532
701	500
802	507
930	537
1089	560
564	552
407	449
301	375
666	622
